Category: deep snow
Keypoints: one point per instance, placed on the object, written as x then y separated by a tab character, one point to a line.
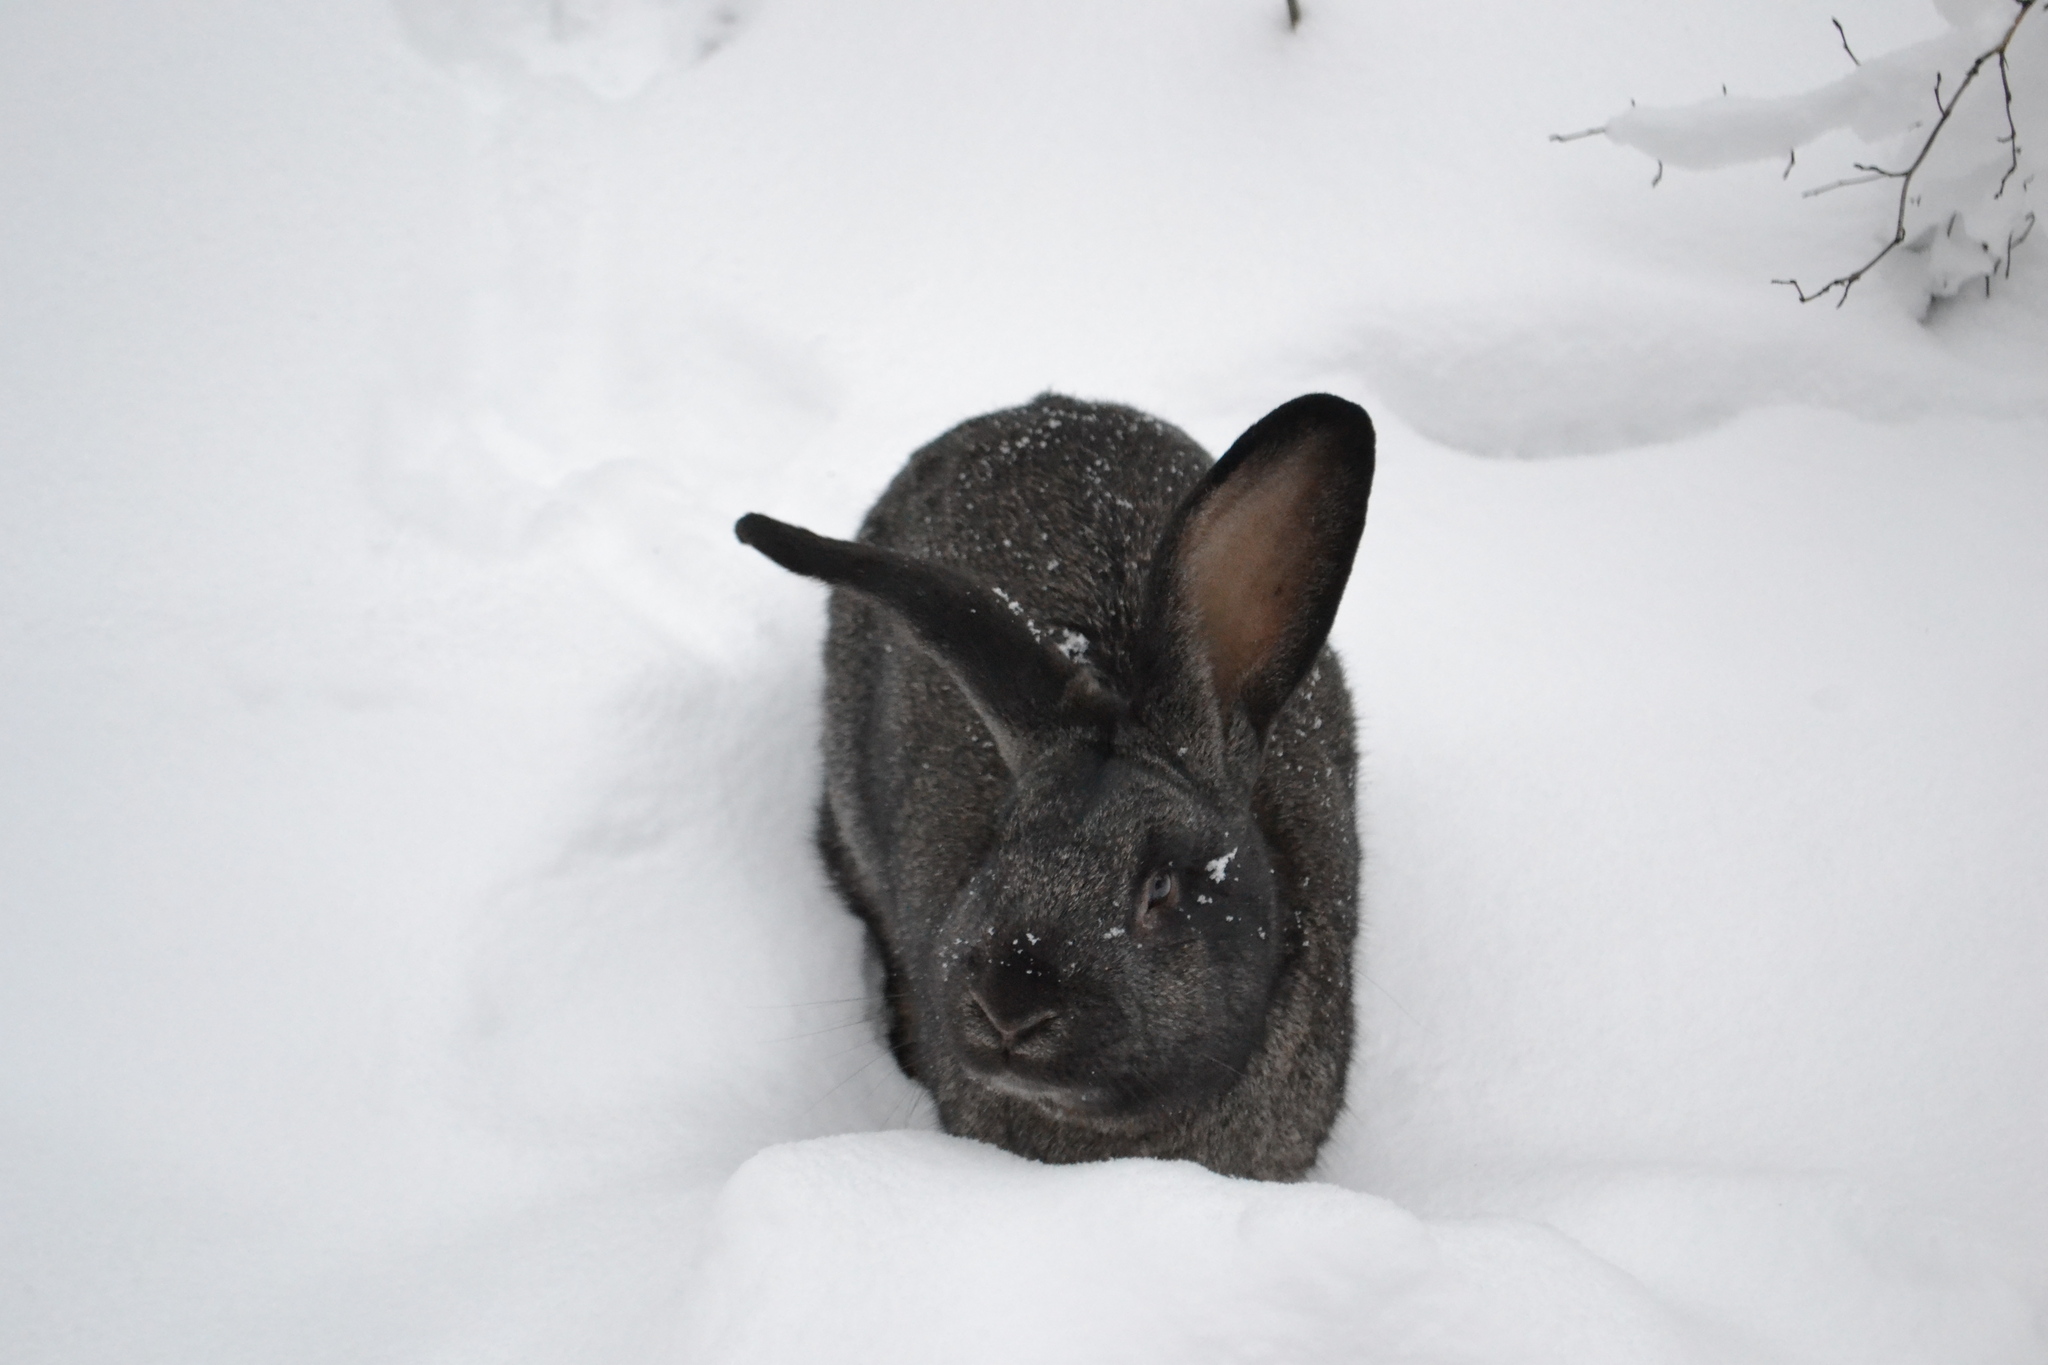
414	950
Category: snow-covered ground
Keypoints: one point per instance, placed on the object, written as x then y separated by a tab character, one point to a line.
413	949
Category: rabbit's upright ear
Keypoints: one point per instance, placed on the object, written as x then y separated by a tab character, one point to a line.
1022	689
1248	576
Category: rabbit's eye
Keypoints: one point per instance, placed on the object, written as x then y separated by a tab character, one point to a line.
1162	894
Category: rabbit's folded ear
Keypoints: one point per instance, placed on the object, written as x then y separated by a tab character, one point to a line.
1022	689
1249	573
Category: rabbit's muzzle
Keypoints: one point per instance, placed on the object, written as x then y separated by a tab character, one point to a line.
1011	1007
1017	1029
1017	995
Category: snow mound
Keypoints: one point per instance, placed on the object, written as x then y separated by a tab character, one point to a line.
913	1247
918	1247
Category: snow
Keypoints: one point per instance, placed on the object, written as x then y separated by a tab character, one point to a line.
1877	99
905	1246
414	946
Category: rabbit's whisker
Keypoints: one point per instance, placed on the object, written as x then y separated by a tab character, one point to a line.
820	1032
1390	997
842	1083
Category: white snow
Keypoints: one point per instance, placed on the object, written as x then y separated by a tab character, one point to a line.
414	946
1877	99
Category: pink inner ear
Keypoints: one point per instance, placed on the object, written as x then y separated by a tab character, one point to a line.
1248	559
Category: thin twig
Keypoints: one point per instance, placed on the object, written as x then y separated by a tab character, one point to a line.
1293	14
1844	36
1574	137
1905	177
2012	241
1791	160
1841	184
2012	132
1658	178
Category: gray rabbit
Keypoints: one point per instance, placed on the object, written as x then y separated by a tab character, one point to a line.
1089	776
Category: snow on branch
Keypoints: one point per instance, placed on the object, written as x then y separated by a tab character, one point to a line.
1964	217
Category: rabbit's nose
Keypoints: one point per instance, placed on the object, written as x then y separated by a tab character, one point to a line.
1013	1028
1017	995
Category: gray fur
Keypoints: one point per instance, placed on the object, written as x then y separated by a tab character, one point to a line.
1000	856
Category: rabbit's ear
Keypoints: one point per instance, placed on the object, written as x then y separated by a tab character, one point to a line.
1023	690
1250	571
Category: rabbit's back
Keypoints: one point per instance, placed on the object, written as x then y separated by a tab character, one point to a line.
1059	503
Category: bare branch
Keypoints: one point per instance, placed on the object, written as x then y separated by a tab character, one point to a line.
1840	184
1846	282
2012	136
1843	35
1293	14
1907	199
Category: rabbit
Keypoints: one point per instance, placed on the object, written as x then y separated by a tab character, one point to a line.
1090	776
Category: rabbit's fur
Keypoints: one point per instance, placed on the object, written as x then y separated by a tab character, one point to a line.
1089	776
